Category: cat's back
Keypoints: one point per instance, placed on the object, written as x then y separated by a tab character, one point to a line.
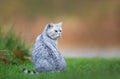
38	49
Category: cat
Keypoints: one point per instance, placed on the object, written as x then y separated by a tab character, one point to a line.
45	54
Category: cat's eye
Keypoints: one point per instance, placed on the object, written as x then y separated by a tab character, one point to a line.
60	31
56	31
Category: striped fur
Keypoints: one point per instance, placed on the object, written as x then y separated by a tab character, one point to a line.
29	71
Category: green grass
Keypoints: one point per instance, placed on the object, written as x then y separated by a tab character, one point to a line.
77	68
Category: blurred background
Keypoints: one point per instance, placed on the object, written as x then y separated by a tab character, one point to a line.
91	28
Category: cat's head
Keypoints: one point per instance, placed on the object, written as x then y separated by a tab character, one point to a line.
54	31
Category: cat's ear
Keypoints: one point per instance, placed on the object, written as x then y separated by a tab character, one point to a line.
50	25
60	23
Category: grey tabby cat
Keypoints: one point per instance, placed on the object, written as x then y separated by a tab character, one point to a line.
45	54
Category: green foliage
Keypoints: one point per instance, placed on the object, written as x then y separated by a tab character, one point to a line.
77	68
8	42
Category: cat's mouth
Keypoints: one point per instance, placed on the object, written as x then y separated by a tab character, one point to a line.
58	36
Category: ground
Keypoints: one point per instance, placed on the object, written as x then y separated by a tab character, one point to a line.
77	68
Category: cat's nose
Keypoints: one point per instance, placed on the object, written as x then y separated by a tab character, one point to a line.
59	34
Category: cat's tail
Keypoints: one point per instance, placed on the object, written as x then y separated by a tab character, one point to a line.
24	70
